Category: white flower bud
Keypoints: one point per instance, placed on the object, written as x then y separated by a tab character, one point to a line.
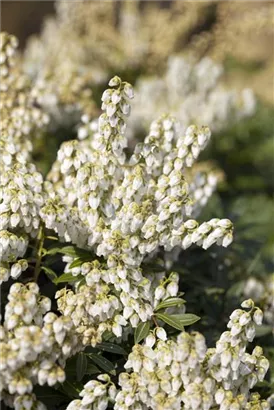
160	292
236	329
172	288
258	317
225	358
247	303
227	240
117	329
116	97
187	241
150	340
128	91
113	82
16	270
111	108
250	332
99	390
244	319
161	333
191	224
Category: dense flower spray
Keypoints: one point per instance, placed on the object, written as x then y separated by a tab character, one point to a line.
112	214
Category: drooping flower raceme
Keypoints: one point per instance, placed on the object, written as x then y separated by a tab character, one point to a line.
120	211
183	373
21	116
21	192
262	292
34	342
125	210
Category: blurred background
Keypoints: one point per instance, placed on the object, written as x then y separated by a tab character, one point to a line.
24	18
241	33
204	62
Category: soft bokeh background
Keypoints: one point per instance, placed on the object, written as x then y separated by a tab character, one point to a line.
23	18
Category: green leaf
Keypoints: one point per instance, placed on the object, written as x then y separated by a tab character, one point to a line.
52	238
69	250
102	362
141	331
170	302
107	335
170	320
79	261
81	366
82	281
111	348
50	273
65	250
71	389
66	277
187	319
70	367
92	369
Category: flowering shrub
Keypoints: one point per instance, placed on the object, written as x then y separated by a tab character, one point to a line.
113	221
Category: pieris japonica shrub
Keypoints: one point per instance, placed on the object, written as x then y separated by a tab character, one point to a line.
103	230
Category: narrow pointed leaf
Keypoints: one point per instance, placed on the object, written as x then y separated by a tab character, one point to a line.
79	261
141	331
92	369
81	366
66	277
170	320
170	302
50	273
102	362
111	348
69	251
187	319
72	389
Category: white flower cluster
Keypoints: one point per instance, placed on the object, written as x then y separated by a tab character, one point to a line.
125	209
203	182
192	92
21	193
160	367
20	115
122	210
28	401
171	373
23	402
93	308
65	61
105	192
21	197
96	307
96	395
34	344
262	292
14	270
